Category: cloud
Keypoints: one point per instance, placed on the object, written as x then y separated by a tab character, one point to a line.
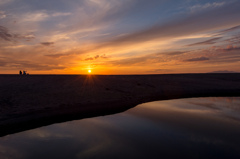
7	36
150	58
18	64
197	59
230	29
176	53
26	37
2	15
3	2
3	63
35	17
104	56
47	43
57	55
130	61
227	59
96	57
38	16
92	16
207	42
89	59
219	55
229	48
194	23
234	40
57	14
200	7
4	34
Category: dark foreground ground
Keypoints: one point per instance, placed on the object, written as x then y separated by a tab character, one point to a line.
28	102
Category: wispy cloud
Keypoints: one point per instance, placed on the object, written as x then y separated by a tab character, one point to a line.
207	42
96	57
2	15
47	43
200	7
19	64
57	55
229	48
4	34
194	23
35	16
197	59
230	29
3	2
38	16
7	36
58	14
175	53
234	39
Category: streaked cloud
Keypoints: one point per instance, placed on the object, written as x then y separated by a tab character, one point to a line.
175	53
35	17
229	48
197	59
4	34
200	7
197	22
207	42
7	36
47	43
57	55
230	29
96	57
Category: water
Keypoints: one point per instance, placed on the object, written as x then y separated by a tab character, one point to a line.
182	128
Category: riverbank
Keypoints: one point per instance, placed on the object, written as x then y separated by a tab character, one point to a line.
32	101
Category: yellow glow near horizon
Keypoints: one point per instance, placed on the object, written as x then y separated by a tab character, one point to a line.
89	71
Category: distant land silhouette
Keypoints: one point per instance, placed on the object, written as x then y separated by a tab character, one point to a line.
223	71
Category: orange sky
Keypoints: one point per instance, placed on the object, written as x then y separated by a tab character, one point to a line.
119	37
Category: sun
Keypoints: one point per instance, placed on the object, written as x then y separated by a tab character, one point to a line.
89	71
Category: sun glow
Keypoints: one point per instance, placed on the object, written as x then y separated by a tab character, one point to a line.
89	71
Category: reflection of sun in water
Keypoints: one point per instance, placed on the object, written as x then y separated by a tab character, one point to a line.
89	71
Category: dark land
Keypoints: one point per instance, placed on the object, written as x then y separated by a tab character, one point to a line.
28	102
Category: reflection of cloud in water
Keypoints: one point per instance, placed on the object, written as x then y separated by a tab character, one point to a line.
8	152
185	126
227	106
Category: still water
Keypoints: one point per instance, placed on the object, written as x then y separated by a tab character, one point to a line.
182	128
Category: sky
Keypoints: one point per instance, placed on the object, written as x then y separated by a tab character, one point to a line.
119	36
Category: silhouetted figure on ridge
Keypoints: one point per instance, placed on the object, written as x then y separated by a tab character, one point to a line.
20	72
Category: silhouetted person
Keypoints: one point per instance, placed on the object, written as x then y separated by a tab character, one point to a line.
20	72
24	72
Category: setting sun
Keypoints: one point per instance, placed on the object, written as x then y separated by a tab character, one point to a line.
89	71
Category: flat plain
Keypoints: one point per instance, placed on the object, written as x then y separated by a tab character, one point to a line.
28	102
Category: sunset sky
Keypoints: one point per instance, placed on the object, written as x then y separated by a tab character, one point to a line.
119	36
